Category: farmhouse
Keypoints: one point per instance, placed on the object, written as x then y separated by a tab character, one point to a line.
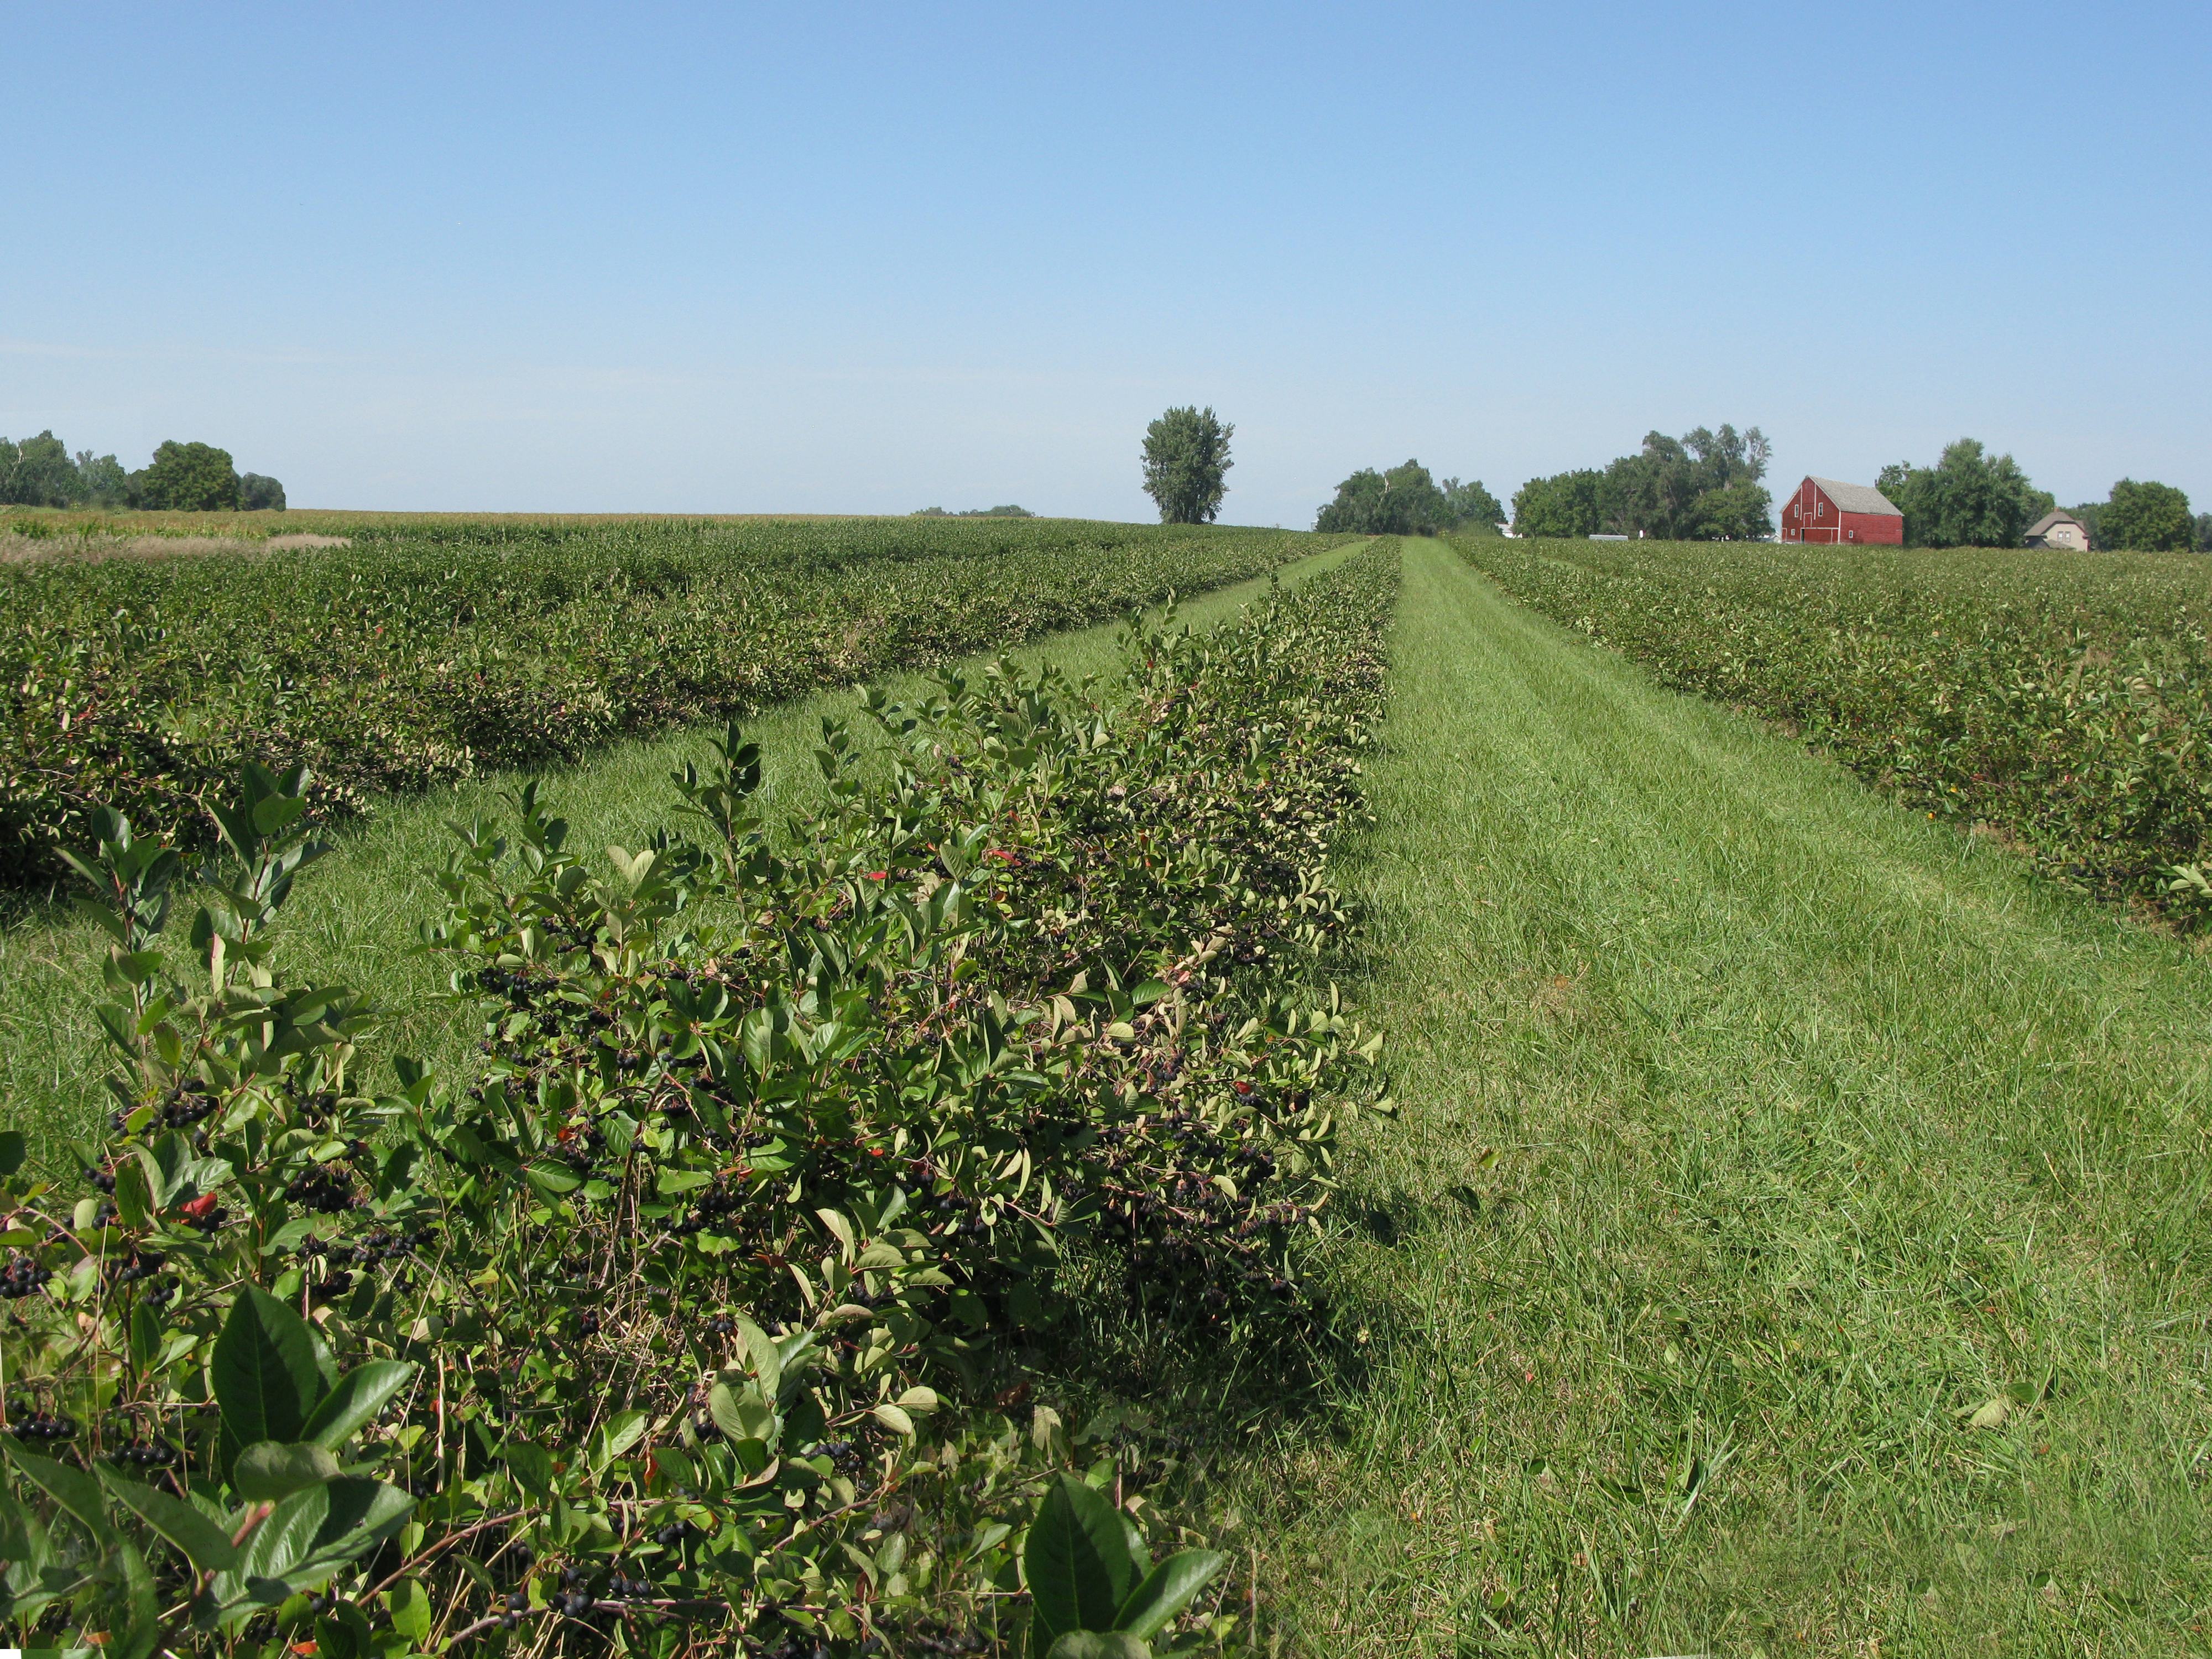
2059	530
1824	510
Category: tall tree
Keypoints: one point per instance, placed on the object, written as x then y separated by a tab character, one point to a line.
258	494
1403	502
1186	463
1702	486
1969	498
1566	504
2146	518
39	473
187	478
1470	506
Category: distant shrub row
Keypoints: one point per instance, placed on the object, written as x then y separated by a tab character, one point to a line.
2063	699
423	654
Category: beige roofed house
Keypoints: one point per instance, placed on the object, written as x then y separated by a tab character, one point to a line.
2059	530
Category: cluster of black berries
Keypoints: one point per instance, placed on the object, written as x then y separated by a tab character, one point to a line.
844	1456
43	1425
384	1245
103	1180
148	1454
588	1323
582	1150
187	1109
139	1264
106	1213
576	1598
517	1603
326	1189
22	1277
956	1217
622	1588
673	1535
709	1207
336	1286
721	1325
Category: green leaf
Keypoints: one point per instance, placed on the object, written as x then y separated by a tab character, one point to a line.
1166	1591
1100	1644
361	1394
143	1632
893	1418
267	1471
14	1149
1075	1561
203	1543
550	1182
73	1489
265	1376
531	1464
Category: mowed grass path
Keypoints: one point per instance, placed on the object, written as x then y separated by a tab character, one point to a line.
1793	1238
354	918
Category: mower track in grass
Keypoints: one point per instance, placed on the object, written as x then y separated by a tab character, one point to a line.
1792	1240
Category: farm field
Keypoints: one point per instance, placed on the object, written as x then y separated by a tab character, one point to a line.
1792	1239
2061	699
356	922
1785	1235
429	649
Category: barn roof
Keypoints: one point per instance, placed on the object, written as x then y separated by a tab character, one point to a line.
1857	498
2051	519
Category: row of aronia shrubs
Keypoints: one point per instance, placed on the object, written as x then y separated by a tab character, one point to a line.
2062	699
710	1315
425	652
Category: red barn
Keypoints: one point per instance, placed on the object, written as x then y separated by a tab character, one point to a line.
1823	510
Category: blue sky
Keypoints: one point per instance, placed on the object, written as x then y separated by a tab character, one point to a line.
875	258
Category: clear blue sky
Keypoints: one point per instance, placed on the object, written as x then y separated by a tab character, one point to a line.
876	257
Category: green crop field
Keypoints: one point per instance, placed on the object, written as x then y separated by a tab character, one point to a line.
430	648
2060	698
1377	1125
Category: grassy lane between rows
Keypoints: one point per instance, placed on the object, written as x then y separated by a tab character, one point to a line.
1792	1241
355	922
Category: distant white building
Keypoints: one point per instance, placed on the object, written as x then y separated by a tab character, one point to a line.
2059	530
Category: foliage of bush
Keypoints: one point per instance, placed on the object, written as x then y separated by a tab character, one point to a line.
2062	698
420	654
690	1325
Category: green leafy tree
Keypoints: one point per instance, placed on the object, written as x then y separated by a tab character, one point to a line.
1403	502
2147	518
1970	498
1186	463
101	480
2205	533
1702	486
258	494
1566	504
1469	506
187	478
38	472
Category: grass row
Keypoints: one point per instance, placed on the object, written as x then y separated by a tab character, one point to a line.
1791	1240
426	651
2062	699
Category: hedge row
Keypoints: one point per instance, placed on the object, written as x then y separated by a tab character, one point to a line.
705	1319
426	652
2061	698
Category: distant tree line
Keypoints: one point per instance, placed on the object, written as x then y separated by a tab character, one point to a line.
1405	501
195	477
1971	498
1703	486
1009	512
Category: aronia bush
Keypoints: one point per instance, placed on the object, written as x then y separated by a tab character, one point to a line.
704	1319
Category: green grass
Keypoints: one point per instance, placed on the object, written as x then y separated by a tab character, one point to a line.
1755	1134
355	918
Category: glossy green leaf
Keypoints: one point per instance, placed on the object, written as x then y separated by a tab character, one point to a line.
1076	1560
361	1394
206	1545
266	1378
